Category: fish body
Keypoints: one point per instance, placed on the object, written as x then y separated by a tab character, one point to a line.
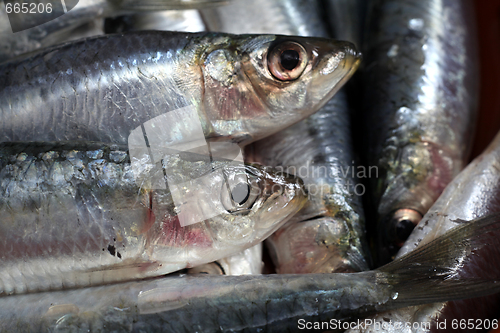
90	92
420	101
78	215
328	234
264	303
57	30
474	193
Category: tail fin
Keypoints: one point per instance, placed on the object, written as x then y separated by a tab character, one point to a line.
432	273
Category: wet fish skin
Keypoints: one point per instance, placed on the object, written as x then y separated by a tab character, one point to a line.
89	92
332	238
270	303
57	30
474	193
246	262
330	228
420	106
86	214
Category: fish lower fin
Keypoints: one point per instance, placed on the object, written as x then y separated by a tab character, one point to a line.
435	272
153	5
129	269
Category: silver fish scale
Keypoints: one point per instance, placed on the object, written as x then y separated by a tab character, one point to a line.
63	187
89	92
94	95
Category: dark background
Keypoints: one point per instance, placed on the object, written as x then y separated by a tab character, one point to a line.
488	23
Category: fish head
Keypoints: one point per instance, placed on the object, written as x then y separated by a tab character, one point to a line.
255	201
395	228
223	211
408	186
256	85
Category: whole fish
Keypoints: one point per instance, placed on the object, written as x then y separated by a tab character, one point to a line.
248	261
328	235
264	303
420	101
57	30
76	215
474	193
241	88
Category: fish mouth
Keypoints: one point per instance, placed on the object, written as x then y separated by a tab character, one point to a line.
285	196
353	61
335	68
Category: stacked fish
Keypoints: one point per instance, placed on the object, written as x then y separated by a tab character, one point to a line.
171	136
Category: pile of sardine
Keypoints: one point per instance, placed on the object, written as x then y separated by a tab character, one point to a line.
154	154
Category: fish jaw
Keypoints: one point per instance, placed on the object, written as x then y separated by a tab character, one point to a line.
238	81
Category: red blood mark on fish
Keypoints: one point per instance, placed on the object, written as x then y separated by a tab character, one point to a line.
173	234
443	173
229	101
150	216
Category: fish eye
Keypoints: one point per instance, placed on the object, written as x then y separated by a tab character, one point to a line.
404	221
287	61
239	197
240	193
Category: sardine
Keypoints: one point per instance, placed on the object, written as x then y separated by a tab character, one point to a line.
421	87
474	193
237	85
264	303
78	215
57	30
328	234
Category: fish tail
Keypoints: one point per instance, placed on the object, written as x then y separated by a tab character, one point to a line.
434	272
